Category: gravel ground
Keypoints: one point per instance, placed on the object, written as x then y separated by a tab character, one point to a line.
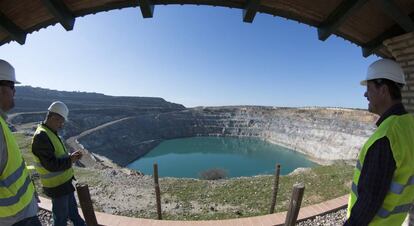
46	218
330	219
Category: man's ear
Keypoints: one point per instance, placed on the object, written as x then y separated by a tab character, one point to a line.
384	90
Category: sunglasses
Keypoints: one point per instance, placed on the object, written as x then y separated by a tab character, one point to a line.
8	84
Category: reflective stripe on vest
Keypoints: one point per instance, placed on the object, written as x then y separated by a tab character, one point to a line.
47	178
399	188
13	177
400	132
399	209
48	175
16	187
15	199
394	187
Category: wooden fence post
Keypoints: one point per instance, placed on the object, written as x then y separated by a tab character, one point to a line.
157	191
275	189
295	202
86	204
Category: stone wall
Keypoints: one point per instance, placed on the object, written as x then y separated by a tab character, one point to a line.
402	48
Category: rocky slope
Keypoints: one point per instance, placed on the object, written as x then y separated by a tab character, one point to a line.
87	110
122	129
323	134
29	99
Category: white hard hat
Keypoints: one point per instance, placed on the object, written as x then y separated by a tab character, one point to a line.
386	69
7	72
60	108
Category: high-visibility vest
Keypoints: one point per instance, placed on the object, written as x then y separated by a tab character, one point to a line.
16	187
47	178
400	132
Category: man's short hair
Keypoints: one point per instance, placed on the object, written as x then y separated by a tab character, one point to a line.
393	87
50	114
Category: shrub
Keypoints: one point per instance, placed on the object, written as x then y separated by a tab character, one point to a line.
213	174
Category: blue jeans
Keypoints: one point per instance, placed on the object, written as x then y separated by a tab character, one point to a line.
31	221
65	207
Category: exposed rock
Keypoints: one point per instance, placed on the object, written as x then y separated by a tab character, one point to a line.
299	171
323	134
119	130
87	110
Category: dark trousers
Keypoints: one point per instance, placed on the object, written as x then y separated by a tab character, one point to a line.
31	221
64	208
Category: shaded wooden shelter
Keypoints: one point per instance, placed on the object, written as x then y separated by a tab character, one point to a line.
381	27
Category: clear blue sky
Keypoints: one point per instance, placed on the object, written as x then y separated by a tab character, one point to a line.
196	56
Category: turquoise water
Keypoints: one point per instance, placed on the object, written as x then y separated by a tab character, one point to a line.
188	157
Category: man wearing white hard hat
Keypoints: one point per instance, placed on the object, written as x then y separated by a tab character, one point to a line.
18	205
383	183
54	165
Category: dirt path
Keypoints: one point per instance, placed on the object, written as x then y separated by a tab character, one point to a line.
89	159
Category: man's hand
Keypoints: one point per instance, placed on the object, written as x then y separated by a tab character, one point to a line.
75	156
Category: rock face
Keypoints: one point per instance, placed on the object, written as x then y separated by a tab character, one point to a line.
29	99
122	129
323	134
86	110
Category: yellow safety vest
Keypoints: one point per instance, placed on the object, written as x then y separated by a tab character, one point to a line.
47	178
400	132
16	187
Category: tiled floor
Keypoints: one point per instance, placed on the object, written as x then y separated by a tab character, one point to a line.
265	220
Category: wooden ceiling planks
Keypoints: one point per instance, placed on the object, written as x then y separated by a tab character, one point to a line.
368	23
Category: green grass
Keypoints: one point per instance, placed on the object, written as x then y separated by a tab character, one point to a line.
87	176
25	144
251	196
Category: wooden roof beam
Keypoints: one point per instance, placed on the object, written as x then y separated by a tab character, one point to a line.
376	43
61	12
392	10
147	8
373	45
345	9
250	10
15	32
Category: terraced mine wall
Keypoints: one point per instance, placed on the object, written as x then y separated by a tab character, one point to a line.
122	129
86	110
322	134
